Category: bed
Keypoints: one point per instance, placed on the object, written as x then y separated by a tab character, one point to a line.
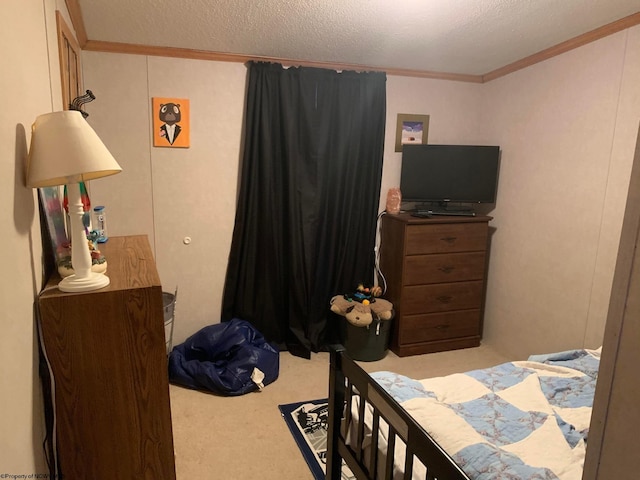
517	420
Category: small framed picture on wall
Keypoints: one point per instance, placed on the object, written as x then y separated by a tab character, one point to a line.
52	204
171	126
411	129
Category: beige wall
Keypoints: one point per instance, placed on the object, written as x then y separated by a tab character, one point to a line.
30	87
454	117
616	418
563	126
567	129
171	193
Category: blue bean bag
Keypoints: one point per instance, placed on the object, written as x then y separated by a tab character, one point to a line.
223	358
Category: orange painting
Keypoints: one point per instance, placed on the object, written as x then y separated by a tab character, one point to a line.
171	122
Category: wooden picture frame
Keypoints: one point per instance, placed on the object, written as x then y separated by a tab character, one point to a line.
411	129
171	126
70	62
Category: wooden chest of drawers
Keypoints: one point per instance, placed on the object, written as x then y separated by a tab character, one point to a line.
435	271
106	351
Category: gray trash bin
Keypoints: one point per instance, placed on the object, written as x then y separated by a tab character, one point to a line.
169	307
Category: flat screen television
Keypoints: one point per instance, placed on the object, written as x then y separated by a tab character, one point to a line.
444	174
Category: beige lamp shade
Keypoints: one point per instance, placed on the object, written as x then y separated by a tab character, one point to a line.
65	150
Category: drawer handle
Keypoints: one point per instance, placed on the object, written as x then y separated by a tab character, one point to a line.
446	269
444	298
442	327
449	240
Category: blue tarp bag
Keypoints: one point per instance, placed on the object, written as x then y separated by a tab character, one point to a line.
228	358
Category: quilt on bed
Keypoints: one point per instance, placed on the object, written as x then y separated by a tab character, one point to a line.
518	420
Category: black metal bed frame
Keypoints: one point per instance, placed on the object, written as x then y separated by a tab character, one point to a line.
347	381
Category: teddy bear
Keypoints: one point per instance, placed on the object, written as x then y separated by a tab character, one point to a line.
361	314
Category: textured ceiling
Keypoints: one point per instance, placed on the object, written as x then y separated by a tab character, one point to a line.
450	36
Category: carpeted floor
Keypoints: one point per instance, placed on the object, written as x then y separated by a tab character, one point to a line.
237	438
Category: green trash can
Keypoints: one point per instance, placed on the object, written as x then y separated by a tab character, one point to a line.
366	344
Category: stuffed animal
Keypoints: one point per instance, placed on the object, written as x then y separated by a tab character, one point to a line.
361	313
355	312
382	308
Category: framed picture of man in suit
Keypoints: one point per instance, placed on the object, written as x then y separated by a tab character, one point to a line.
170	122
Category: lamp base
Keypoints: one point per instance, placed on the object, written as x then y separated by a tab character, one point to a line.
73	283
65	269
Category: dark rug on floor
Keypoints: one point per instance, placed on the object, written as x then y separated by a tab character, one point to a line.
308	423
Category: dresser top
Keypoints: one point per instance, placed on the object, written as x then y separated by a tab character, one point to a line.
437	219
130	264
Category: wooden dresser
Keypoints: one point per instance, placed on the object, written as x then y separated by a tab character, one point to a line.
435	270
106	351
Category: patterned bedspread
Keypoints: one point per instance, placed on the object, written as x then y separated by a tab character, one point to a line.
518	420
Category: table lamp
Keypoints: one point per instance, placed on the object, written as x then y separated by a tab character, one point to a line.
65	150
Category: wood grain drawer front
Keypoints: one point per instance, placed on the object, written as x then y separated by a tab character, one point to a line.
441	297
440	326
443	268
446	238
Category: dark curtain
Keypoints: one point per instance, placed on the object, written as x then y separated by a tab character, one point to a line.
309	190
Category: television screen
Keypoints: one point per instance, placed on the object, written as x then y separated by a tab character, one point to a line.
449	173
